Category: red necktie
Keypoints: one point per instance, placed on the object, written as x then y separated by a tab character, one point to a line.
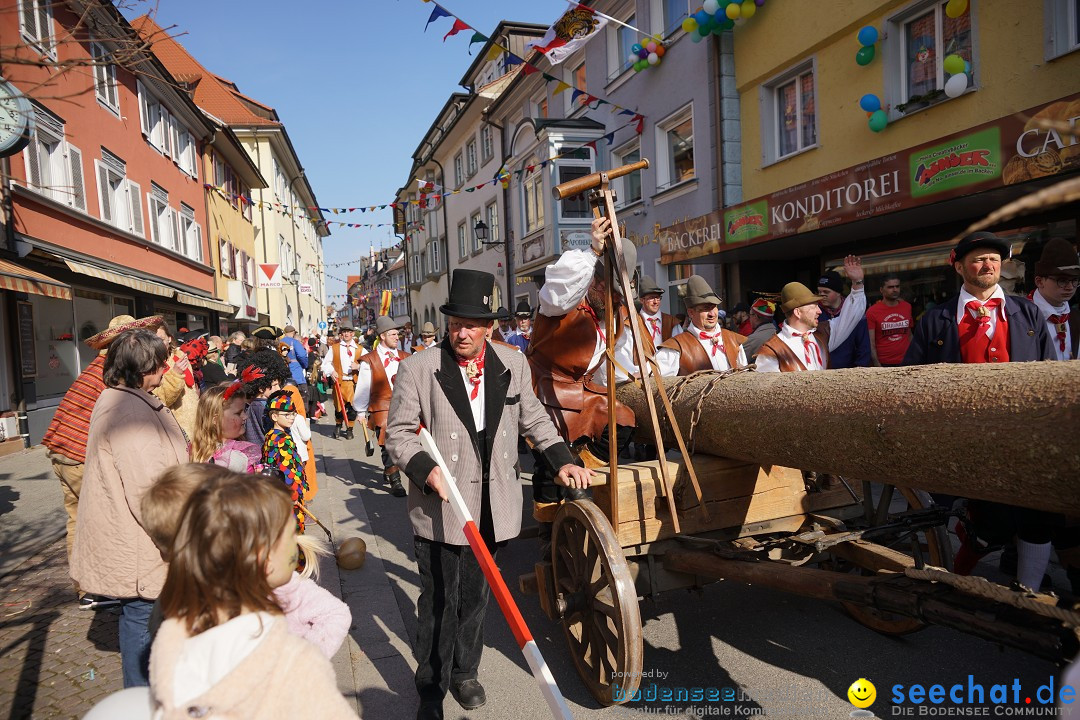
474	370
809	342
717	342
655	328
974	331
1059	322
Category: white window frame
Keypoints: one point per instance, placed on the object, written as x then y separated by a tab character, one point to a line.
433	257
540	108
225	260
477	244
532	197
185	152
459	170
471	166
588	165
119	199
462	241
190	233
487	144
896	54
491	212
37	30
664	171
770	130
105	87
618	158
1062	27
657	15
617	57
60	177
162	218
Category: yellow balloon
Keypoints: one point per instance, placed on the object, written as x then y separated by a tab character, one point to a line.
748	8
956	8
732	11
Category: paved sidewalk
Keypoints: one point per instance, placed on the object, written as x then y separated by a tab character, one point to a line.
57	661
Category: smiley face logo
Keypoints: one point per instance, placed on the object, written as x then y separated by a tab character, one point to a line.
862	693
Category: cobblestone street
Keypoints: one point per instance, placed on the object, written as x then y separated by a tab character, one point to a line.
56	661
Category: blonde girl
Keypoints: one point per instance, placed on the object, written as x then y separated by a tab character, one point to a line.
219	429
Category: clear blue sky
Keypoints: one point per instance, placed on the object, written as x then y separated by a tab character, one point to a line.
356	83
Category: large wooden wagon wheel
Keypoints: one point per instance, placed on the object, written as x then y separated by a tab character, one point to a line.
600	614
881	508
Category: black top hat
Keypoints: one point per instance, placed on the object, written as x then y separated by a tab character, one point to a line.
470	295
523	309
976	240
267	332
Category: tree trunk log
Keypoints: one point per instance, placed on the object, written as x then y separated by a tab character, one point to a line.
1008	433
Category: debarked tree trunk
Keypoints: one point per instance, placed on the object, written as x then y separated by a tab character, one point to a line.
1008	433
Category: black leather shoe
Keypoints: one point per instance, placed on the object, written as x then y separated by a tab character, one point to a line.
396	489
348	434
430	711
469	694
336	433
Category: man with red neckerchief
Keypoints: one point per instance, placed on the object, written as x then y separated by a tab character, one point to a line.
659	325
705	345
984	325
343	363
1056	277
374	388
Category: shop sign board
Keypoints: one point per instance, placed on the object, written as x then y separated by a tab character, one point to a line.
305	289
269	276
1009	150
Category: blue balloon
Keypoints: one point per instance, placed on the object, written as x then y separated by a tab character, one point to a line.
868	36
870	103
635	48
702	17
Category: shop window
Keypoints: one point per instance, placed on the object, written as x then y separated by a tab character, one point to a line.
790	121
105	78
119	198
927	36
53	165
628	187
1062	27
55	346
36	23
675	149
532	187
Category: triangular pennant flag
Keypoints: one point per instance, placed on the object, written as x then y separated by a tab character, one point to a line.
576	94
476	37
549	78
512	59
599	102
610	137
494	53
436	13
624	111
560	87
459	25
529	69
640	123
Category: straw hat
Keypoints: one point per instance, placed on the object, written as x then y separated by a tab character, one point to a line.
122	323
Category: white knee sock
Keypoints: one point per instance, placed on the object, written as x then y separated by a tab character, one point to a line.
1032	561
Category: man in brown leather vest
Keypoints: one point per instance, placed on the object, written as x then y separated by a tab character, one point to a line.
705	345
658	325
567	351
427	338
803	342
374	388
341	363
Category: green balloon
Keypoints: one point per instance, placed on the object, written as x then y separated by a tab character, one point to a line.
879	120
865	56
954	64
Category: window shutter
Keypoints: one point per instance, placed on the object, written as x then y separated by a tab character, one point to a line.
78	190
198	254
33	168
27	19
135	206
44	24
103	192
155	231
144	111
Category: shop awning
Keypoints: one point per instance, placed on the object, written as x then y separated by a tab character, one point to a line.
19	279
204	302
119	278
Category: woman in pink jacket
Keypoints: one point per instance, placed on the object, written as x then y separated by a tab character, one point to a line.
133	437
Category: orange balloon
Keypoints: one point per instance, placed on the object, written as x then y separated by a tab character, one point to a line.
660	50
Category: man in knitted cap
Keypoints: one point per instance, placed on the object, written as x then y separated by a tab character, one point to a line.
67	433
705	345
1056	276
762	312
804	342
853	350
375	386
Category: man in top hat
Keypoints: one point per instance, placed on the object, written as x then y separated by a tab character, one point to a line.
476	399
505	331
804	341
762	312
984	325
854	350
375	385
705	345
427	338
344	355
567	353
66	436
1056	276
659	325
523	315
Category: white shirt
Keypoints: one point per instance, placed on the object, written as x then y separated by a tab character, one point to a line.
966	297
347	354
405	343
668	359
476	404
853	309
566	281
389	359
658	333
1047	310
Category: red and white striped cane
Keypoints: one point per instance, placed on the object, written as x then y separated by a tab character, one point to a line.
509	608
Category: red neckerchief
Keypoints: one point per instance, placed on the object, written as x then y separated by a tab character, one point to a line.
974	338
809	342
717	340
1058	320
474	370
655	324
596	321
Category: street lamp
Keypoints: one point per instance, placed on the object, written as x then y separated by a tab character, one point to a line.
295	277
481	231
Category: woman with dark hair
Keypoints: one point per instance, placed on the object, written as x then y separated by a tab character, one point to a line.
133	437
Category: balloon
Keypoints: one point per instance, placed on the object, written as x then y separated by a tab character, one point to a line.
694	37
704	30
956	85
879	120
660	50
870	103
643	53
689	25
719	28
759	3
651	47
956	8
728	24
710	6
352	553
653	58
702	17
748	9
954	64
865	56
635	48
732	11
632	59
967	67
868	35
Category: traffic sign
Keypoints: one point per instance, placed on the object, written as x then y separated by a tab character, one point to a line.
322	325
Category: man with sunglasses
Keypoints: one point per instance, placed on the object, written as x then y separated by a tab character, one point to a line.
1056	276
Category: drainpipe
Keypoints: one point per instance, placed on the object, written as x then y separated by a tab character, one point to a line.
262	220
446	229
296	249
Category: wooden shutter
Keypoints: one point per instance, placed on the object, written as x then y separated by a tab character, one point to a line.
135	207
33	168
77	199
104	193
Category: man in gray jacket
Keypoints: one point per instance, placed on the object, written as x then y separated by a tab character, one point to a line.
476	399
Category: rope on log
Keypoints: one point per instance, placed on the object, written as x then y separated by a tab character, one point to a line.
983	588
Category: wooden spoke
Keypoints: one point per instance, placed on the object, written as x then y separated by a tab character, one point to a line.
603	633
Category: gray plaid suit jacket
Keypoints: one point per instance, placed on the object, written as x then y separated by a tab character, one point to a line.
430	390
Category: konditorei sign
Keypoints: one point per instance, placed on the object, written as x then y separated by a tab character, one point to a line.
1009	150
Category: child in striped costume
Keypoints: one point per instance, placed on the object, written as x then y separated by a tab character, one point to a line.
279	449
